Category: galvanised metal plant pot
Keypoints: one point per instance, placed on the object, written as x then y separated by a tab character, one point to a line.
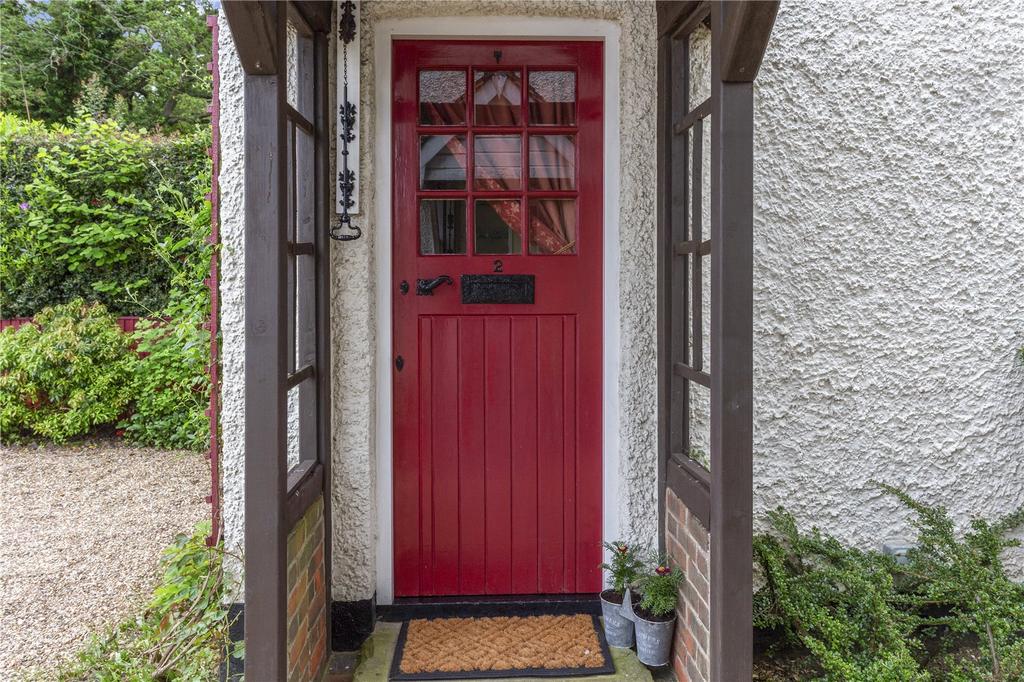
654	640
618	629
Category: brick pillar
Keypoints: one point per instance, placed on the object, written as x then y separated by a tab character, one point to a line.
307	597
688	544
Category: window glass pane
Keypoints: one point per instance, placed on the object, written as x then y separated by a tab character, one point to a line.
552	98
552	162
700	65
552	226
497	225
291	52
497	97
442	162
442	98
497	162
293	452
442	226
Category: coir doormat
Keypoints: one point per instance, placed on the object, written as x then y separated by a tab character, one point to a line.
503	646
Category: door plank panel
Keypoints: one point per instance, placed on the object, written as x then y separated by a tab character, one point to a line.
550	452
524	455
472	503
498	456
569	453
426	447
444	425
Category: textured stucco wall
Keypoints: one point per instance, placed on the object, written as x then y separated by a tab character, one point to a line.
889	219
232	310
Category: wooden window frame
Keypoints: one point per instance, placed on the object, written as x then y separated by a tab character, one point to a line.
276	498
722	497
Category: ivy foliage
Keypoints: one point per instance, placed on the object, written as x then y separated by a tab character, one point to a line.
181	634
867	619
71	371
82	211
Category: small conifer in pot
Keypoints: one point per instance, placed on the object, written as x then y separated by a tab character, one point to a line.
655	614
622	568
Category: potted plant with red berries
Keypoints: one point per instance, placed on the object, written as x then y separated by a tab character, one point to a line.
623	569
655	614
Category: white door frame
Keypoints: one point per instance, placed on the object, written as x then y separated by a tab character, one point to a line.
490	27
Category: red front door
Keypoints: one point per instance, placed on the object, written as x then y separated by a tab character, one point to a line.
497	214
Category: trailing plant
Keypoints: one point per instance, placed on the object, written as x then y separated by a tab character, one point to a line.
172	387
624	567
660	589
965	577
839	602
182	632
64	375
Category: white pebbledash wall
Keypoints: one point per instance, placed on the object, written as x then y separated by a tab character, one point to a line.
889	218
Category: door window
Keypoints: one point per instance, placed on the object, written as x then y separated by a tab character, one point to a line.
510	160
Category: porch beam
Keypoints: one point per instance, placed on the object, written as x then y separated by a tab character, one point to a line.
745	38
254	29
732	343
672	15
266	364
316	13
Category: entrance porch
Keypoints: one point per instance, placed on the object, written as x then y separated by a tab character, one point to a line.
408	437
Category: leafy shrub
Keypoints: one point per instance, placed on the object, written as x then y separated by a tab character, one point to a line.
69	374
181	633
839	602
172	388
660	589
79	208
863	617
966	578
624	567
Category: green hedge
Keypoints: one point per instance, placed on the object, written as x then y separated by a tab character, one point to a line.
82	206
95	214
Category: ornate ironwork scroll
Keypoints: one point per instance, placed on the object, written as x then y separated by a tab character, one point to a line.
344	230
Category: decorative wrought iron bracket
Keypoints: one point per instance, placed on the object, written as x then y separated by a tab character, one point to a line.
348	124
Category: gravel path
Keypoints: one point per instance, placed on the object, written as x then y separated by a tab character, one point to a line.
81	532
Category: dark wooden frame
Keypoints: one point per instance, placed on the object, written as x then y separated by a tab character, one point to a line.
275	498
721	498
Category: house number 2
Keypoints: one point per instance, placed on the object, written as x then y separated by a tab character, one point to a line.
498	265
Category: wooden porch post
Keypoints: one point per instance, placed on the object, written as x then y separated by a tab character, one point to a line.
732	479
266	471
720	496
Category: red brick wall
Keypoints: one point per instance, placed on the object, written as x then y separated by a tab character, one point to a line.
689	545
307	597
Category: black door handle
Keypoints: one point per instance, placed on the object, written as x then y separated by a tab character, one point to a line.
425	287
